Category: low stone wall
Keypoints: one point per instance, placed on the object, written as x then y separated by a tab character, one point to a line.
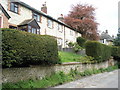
38	72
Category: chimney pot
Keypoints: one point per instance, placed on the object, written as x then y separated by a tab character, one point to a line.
44	8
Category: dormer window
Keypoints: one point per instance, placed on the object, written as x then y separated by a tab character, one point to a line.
14	7
36	17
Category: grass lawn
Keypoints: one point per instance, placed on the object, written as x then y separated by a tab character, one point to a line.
69	57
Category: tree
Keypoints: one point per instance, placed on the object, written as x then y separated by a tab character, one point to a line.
117	39
81	18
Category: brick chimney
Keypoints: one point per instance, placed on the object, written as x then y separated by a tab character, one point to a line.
61	18
44	8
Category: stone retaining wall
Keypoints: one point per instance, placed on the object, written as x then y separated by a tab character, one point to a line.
38	72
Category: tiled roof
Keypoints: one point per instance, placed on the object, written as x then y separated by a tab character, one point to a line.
26	22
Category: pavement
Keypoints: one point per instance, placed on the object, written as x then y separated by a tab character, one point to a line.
102	80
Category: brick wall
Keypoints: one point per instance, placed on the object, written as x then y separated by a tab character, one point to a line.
4	20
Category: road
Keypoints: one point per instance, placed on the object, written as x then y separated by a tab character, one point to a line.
102	80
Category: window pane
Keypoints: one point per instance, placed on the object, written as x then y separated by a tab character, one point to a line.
34	31
38	18
16	9
12	6
29	28
50	23
35	17
38	31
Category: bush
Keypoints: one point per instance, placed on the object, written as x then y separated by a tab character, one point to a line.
81	41
97	50
77	48
23	49
116	52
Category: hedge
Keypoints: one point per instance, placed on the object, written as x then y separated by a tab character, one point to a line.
21	48
81	41
116	51
97	50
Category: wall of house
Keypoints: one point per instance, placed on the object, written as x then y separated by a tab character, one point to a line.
38	72
16	19
4	20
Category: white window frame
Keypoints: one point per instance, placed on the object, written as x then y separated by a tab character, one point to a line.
50	23
60	28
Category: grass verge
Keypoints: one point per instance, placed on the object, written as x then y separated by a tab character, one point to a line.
69	56
57	78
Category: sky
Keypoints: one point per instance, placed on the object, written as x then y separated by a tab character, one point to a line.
106	12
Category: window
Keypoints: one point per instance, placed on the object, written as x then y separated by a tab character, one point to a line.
14	7
29	29
36	17
50	23
12	27
71	32
33	30
38	31
60	28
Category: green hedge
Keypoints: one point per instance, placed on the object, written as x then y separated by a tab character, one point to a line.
23	49
81	41
116	51
97	50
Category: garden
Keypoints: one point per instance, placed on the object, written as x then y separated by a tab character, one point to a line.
22	49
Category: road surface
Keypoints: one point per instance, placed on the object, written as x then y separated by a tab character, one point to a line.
102	80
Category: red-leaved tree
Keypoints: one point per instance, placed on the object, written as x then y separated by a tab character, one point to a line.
82	18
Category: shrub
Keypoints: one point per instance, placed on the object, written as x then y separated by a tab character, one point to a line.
116	52
76	47
71	45
23	49
81	41
97	50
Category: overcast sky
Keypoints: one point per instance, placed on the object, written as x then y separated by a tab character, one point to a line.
106	11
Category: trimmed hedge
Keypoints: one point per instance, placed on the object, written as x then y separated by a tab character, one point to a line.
23	49
116	52
97	50
81	41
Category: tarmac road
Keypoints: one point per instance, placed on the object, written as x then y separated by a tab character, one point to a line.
102	80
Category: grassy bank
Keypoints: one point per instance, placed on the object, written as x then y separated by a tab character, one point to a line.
73	57
69	56
57	78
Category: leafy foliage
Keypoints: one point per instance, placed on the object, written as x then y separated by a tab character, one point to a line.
81	41
24	49
82	18
75	46
97	50
117	40
116	52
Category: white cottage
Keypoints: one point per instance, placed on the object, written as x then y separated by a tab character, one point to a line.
29	19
